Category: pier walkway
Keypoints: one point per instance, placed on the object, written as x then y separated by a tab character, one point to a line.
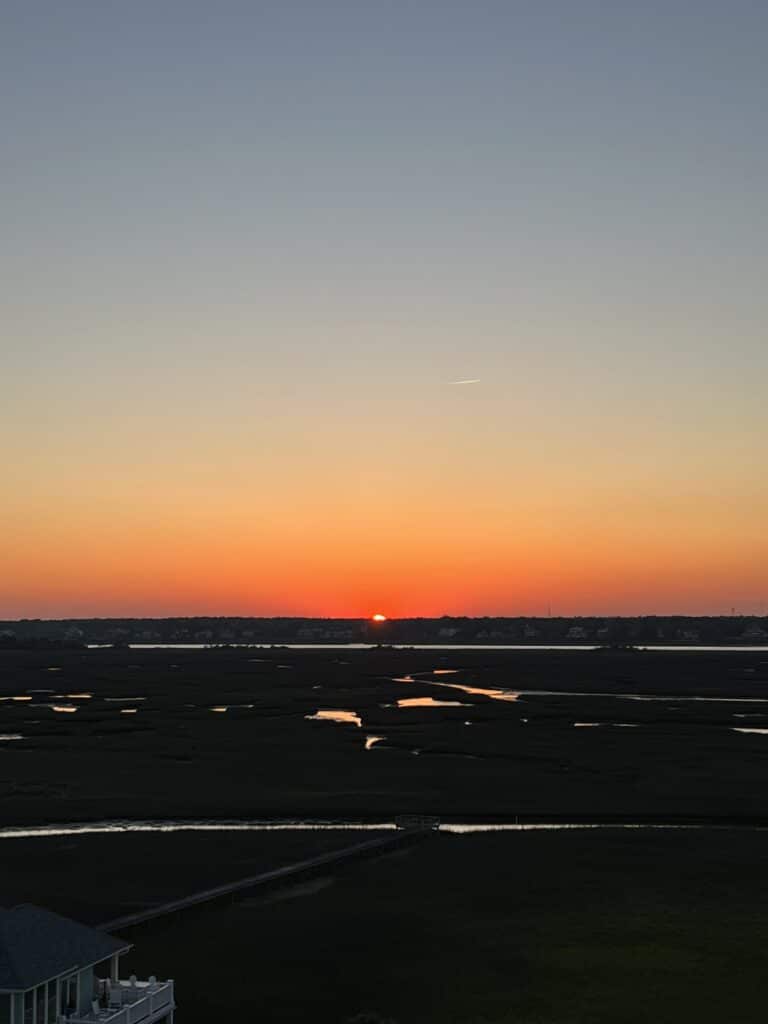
289	872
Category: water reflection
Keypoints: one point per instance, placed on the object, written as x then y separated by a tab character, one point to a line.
266	645
429	702
116	827
671	700
336	715
506	695
128	711
761	732
371	741
67	709
462	829
493	692
7	737
652	698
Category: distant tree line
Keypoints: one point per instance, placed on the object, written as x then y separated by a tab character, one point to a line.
445	630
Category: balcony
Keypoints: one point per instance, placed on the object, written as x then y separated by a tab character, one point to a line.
127	1002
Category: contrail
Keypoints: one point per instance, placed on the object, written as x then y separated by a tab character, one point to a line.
473	380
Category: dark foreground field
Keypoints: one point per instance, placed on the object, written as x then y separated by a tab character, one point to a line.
562	928
224	733
99	878
535	927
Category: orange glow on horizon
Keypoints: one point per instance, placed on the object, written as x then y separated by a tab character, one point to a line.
286	358
487	544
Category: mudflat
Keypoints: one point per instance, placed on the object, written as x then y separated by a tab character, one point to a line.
608	925
622	926
233	733
628	925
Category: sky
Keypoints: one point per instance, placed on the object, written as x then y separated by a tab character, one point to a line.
248	248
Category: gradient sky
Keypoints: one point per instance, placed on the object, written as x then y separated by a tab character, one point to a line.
247	247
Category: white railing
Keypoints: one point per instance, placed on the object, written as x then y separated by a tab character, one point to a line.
129	1002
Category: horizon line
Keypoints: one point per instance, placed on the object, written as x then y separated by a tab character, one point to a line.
402	618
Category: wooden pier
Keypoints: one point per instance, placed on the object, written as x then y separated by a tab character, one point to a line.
289	872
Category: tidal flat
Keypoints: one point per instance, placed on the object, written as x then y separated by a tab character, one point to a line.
620	927
470	735
606	925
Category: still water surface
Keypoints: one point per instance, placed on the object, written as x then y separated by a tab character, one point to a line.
336	715
437	647
459	828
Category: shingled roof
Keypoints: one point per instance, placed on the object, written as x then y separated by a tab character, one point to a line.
37	945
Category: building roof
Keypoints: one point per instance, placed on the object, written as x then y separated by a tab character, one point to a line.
37	945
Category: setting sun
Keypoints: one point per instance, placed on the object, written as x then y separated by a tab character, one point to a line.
378	617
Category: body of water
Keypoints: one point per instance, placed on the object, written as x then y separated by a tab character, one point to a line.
457	828
442	647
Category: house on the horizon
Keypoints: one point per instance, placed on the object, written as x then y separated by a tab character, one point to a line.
57	971
577	633
754	635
